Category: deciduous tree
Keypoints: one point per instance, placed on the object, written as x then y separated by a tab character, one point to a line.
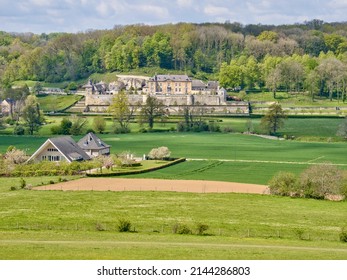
274	118
121	111
152	109
32	115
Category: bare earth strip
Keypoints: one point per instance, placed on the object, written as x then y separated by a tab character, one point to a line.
121	184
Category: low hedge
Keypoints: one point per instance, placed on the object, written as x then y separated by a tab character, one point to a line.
133	172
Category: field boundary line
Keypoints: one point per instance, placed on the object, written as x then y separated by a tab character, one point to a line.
266	161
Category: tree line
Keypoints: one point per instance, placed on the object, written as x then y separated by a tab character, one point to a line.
201	50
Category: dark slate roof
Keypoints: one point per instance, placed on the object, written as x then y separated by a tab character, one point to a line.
173	78
198	84
92	142
67	146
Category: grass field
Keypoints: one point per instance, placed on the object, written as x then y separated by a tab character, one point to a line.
63	225
247	159
66	225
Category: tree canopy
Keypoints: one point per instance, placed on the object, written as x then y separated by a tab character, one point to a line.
249	56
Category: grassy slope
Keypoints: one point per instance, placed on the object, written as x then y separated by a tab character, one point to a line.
57	102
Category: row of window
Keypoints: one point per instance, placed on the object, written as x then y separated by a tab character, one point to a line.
51	158
52	150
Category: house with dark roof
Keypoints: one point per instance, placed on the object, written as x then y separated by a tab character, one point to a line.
93	146
60	149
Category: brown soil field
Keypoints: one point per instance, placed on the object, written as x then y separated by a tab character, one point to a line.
121	184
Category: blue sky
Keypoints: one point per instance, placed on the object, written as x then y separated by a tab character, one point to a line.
47	16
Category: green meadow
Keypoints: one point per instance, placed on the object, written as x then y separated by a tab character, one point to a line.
83	225
214	156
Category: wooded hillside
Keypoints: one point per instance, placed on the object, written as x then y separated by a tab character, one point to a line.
309	56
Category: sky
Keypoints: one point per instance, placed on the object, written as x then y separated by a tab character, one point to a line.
46	16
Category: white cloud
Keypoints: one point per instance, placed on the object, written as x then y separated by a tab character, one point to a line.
70	15
338	4
216	11
158	12
41	3
184	3
102	9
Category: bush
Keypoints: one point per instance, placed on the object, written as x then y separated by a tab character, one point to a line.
121	130
214	127
343	236
100	227
51	182
19	130
321	180
181	229
284	183
159	153
13	188
22	183
124	225
201	228
227	129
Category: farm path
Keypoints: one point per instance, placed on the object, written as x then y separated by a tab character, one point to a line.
124	184
178	244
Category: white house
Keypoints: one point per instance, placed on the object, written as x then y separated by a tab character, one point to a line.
59	149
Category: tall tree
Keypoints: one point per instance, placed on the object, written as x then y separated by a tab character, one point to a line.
152	109
274	118
121	111
32	115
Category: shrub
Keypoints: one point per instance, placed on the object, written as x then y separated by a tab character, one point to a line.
13	188
124	225
51	182
19	130
321	180
201	228
343	235
22	183
121	130
160	153
227	129
100	227
214	127
284	183
181	229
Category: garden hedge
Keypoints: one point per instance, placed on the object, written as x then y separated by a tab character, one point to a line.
133	172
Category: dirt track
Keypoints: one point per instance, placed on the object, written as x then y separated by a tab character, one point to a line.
120	184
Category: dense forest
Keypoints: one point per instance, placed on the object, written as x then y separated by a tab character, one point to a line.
311	56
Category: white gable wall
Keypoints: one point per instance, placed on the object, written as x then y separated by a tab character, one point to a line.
49	153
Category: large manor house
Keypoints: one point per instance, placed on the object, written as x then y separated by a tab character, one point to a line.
174	91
